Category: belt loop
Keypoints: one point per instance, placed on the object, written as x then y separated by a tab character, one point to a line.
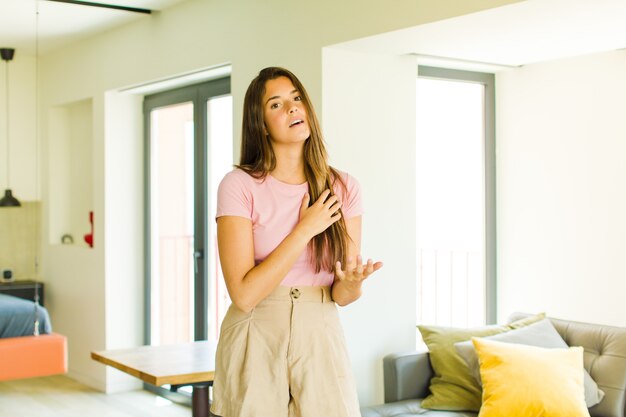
324	294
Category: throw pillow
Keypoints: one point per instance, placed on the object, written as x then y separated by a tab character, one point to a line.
540	334
453	387
529	381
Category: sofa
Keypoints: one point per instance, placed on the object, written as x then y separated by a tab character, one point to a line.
407	375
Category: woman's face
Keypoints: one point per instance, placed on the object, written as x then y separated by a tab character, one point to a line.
284	113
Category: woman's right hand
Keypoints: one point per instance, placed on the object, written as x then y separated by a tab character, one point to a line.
321	215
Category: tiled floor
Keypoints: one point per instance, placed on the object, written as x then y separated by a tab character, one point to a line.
60	396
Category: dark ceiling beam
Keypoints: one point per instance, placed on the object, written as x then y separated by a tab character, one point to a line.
106	6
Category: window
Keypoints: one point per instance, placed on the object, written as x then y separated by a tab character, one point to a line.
455	198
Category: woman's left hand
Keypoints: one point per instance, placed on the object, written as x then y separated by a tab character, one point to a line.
356	272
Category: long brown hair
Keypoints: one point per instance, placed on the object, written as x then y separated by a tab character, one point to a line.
258	159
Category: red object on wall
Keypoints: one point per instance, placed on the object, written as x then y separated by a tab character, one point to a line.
89	237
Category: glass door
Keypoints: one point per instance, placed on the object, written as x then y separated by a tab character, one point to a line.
184	157
172	224
220	130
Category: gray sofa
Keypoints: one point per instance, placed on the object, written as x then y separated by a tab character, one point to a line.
407	375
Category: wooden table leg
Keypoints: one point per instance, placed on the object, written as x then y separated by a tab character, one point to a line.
200	401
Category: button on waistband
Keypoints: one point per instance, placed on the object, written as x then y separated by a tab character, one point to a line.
295	293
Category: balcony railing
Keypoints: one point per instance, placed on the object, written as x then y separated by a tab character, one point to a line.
450	287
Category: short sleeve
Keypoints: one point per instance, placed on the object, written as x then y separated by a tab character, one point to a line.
234	198
352	204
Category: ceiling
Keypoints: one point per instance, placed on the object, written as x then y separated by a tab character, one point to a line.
63	23
518	34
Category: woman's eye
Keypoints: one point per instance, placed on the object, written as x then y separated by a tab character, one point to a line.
274	106
298	98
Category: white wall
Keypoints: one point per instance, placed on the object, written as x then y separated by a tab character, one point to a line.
70	133
124	237
22	127
197	34
74	274
561	170
371	136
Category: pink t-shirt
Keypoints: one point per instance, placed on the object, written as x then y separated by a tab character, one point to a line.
274	209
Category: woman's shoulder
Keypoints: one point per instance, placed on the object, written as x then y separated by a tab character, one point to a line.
347	179
237	173
239	176
349	191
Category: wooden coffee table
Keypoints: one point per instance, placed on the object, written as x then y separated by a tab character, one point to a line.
182	364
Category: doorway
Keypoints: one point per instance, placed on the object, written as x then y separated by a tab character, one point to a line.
188	150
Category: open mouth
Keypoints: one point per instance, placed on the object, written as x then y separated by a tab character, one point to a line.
296	122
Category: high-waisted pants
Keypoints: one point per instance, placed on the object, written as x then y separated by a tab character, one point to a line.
285	358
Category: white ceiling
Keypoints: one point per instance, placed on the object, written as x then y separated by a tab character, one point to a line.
62	23
517	34
521	33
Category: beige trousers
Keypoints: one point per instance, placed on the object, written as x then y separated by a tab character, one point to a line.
286	358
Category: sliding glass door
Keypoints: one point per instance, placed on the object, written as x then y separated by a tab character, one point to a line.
188	150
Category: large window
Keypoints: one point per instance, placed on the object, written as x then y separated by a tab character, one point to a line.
455	198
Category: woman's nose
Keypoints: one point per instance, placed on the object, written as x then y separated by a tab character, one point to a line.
293	108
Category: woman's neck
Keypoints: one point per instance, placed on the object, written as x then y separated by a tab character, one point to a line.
289	164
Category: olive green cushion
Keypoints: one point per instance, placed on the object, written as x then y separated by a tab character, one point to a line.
453	387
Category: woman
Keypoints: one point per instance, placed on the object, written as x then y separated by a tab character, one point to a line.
289	232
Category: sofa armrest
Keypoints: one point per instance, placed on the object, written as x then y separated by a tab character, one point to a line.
406	375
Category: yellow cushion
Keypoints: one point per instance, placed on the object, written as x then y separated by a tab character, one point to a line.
453	387
528	381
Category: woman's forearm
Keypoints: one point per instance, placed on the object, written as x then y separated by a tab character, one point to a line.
344	292
262	279
248	285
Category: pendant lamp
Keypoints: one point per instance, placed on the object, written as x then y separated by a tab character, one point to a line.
8	200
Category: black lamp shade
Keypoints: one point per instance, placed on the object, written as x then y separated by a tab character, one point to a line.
7	53
8	200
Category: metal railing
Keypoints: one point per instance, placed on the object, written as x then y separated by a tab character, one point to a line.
451	287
